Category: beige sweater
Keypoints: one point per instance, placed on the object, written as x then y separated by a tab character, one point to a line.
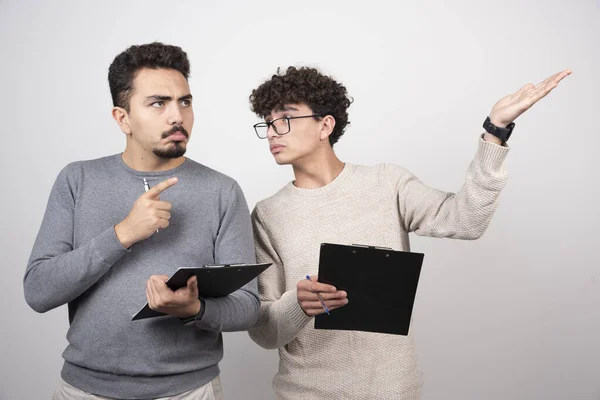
378	206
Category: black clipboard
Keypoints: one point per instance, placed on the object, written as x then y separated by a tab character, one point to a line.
381	284
213	281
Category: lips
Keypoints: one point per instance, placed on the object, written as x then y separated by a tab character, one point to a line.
276	148
177	136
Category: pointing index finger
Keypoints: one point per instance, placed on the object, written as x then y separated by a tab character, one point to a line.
161	187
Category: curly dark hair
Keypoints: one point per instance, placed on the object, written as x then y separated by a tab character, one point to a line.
308	86
126	65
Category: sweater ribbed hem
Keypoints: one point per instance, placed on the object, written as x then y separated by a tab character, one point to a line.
135	387
404	396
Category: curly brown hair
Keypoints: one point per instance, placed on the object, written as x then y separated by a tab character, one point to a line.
308	86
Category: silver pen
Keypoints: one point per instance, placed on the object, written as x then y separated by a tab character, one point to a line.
146	188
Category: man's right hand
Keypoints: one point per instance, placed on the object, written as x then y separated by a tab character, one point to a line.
309	301
147	215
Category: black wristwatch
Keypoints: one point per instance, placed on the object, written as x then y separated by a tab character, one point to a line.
501	133
196	317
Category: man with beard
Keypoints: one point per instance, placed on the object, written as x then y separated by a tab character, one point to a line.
116	227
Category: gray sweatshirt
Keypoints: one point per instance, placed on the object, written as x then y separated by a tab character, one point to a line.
77	259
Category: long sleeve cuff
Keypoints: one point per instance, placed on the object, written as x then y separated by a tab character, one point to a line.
212	316
291	311
107	247
490	155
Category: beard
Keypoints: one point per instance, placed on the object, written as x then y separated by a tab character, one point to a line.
173	149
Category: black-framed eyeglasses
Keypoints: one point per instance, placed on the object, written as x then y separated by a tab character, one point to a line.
281	126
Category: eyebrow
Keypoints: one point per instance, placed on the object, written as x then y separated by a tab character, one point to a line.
284	108
157	97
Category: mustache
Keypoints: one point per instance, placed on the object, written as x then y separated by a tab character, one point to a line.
174	129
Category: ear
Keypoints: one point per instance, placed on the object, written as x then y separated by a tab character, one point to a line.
327	125
122	118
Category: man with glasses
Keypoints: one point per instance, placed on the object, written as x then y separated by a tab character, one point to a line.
305	114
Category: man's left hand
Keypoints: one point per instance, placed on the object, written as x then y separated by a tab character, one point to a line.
509	108
182	303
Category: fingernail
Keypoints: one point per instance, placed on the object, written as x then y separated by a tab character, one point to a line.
173	180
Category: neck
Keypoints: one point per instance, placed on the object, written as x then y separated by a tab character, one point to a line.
318	169
147	161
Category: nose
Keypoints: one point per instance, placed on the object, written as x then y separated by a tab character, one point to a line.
175	116
271	132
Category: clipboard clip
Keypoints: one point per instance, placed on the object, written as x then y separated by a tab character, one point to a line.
216	266
372	247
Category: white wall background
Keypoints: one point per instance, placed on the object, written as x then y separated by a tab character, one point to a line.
515	315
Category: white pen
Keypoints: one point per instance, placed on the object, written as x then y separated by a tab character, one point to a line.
146	188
